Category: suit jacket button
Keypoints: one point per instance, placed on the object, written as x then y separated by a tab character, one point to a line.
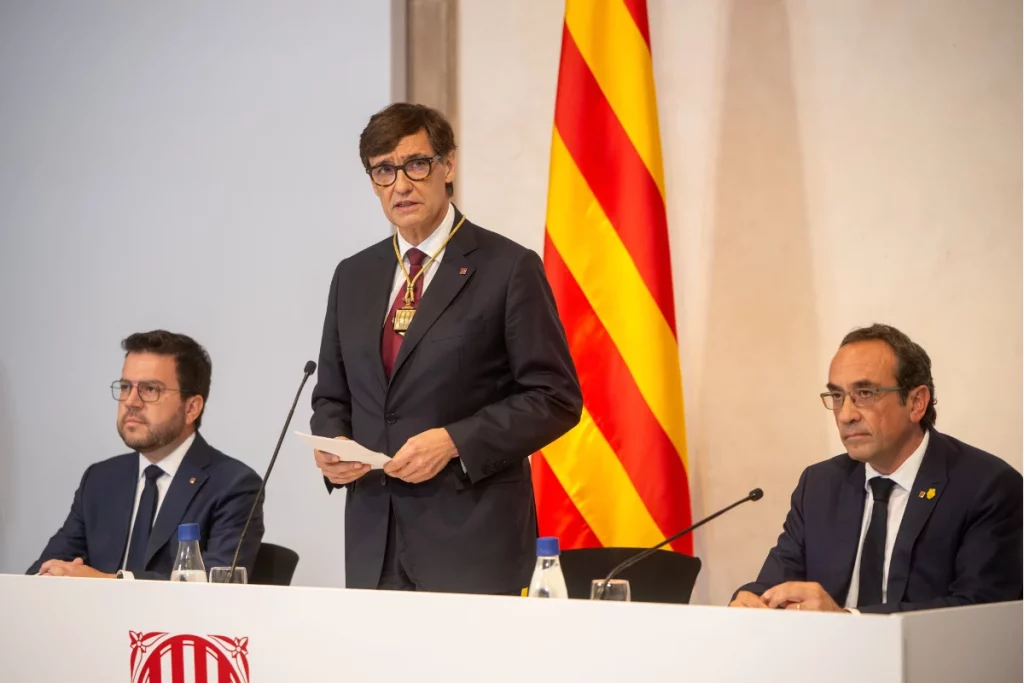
383	480
390	418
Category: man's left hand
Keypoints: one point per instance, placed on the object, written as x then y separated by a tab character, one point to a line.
801	595
77	568
422	456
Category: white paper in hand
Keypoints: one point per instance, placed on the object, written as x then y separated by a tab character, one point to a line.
346	449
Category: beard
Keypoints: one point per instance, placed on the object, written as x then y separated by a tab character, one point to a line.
153	436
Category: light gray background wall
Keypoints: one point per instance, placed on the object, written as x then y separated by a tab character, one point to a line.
185	165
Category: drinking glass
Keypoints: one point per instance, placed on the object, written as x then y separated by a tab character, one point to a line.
618	589
220	575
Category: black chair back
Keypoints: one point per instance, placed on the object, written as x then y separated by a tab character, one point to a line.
275	565
665	576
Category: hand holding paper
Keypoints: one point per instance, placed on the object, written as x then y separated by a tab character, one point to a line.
346	449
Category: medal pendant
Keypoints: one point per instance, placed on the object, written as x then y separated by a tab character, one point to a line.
403	318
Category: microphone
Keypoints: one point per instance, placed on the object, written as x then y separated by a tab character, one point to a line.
756	494
306	372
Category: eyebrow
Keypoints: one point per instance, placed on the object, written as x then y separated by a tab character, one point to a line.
402	160
859	384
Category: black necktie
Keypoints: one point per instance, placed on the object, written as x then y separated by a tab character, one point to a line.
872	557
143	522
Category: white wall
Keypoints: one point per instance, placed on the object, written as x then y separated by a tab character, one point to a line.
828	165
191	166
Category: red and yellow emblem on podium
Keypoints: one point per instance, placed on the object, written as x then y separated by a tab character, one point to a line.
165	657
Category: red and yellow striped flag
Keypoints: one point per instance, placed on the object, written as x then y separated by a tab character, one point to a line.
619	478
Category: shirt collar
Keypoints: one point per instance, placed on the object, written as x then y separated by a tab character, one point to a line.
907	472
434	241
172	462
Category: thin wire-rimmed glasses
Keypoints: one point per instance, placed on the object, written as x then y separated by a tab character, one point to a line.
149	391
416	169
861	397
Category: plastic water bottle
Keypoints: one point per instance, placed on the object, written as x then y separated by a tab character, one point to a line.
189	564
548	581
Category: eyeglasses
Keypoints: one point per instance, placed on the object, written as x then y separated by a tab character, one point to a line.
417	169
862	397
149	391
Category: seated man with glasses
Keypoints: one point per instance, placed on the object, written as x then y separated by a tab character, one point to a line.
125	514
906	519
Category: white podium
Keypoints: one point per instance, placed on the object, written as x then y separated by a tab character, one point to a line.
89	630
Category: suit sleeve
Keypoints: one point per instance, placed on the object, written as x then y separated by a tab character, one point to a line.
786	560
70	541
228	520
988	563
332	400
547	401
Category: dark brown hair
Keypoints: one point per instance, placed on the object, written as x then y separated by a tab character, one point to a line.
913	366
191	361
401	119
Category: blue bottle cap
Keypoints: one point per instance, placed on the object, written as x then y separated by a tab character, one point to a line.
188	532
547	546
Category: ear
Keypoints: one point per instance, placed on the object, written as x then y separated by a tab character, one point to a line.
918	399
193	408
450	164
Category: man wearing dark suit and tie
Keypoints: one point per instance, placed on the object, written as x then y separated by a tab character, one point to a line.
125	515
908	518
442	348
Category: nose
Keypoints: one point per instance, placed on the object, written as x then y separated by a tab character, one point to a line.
133	399
848	413
402	183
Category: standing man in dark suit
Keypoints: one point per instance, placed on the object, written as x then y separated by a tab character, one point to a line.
442	348
908	518
126	512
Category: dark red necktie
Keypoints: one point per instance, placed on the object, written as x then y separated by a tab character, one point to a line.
391	341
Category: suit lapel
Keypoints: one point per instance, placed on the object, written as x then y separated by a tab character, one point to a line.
189	478
453	272
122	492
931	478
849	519
379	284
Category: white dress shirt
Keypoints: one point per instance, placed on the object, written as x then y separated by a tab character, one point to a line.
428	247
904	478
170	466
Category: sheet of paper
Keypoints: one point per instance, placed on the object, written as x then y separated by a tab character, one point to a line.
346	449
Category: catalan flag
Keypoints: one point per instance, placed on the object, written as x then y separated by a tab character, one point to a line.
620	477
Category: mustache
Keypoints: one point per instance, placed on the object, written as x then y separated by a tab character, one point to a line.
135	415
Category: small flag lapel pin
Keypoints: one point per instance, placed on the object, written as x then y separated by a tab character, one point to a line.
192	480
463	271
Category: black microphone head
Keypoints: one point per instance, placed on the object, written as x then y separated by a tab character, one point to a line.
756	494
310	367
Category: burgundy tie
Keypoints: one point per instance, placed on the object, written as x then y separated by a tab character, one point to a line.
391	341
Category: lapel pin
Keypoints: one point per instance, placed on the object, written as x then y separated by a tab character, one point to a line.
921	495
931	494
192	480
463	271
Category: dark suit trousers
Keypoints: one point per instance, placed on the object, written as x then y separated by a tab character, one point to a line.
394	576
